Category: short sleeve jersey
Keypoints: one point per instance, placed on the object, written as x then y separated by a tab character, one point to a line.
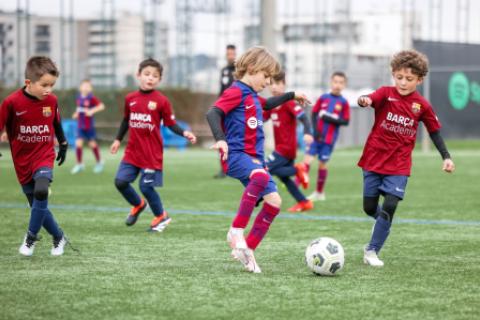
328	132
389	146
284	119
29	123
83	104
243	122
145	112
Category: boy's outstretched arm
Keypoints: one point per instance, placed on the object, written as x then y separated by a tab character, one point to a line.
62	141
448	165
333	118
274	102
364	101
307	129
214	118
183	133
122	131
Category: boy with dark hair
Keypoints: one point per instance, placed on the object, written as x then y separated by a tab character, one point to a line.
236	121
387	156
329	113
87	106
32	120
281	162
145	110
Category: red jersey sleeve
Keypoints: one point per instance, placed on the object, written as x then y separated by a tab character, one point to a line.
5	113
95	101
430	119
317	106
229	100
167	114
378	96
294	109
346	111
126	110
266	115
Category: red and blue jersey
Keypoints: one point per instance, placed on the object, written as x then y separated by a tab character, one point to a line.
336	105
243	122
83	104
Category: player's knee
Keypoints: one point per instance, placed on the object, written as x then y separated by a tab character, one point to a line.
273	199
40	191
92	144
121	184
389	206
79	143
260	178
322	165
370	205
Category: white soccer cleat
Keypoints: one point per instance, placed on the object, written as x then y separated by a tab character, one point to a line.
317	196
28	245
370	258
98	167
58	246
247	259
235	239
77	168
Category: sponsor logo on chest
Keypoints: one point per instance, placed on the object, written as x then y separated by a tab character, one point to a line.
40	129
403	120
253	123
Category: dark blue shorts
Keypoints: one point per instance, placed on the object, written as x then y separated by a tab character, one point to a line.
87	134
148	177
241	165
375	184
43	172
322	150
276	160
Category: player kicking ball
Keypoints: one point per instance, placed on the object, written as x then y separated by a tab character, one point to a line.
387	156
32	120
236	122
281	162
145	110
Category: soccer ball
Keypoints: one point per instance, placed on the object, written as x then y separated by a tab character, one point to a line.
325	256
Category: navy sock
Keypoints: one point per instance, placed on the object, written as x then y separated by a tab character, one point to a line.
293	189
51	225
381	230
286	171
153	199
130	195
37	215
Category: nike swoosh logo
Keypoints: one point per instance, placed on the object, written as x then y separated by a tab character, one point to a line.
42	172
147	181
399	190
251	195
20	113
392	99
133	103
250	106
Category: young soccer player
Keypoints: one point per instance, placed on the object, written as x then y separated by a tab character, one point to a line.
387	156
145	110
32	120
281	162
87	106
236	122
329	113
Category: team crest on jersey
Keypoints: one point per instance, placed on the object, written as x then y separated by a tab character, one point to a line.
256	161
152	105
416	107
47	111
338	107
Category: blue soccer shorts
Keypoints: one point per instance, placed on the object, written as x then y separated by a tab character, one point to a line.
320	149
240	166
375	184
148	177
87	134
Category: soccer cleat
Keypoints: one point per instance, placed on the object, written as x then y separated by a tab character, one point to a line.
58	246
247	258
160	223
135	213
28	245
302	206
370	258
98	167
302	175
317	196
77	168
236	239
